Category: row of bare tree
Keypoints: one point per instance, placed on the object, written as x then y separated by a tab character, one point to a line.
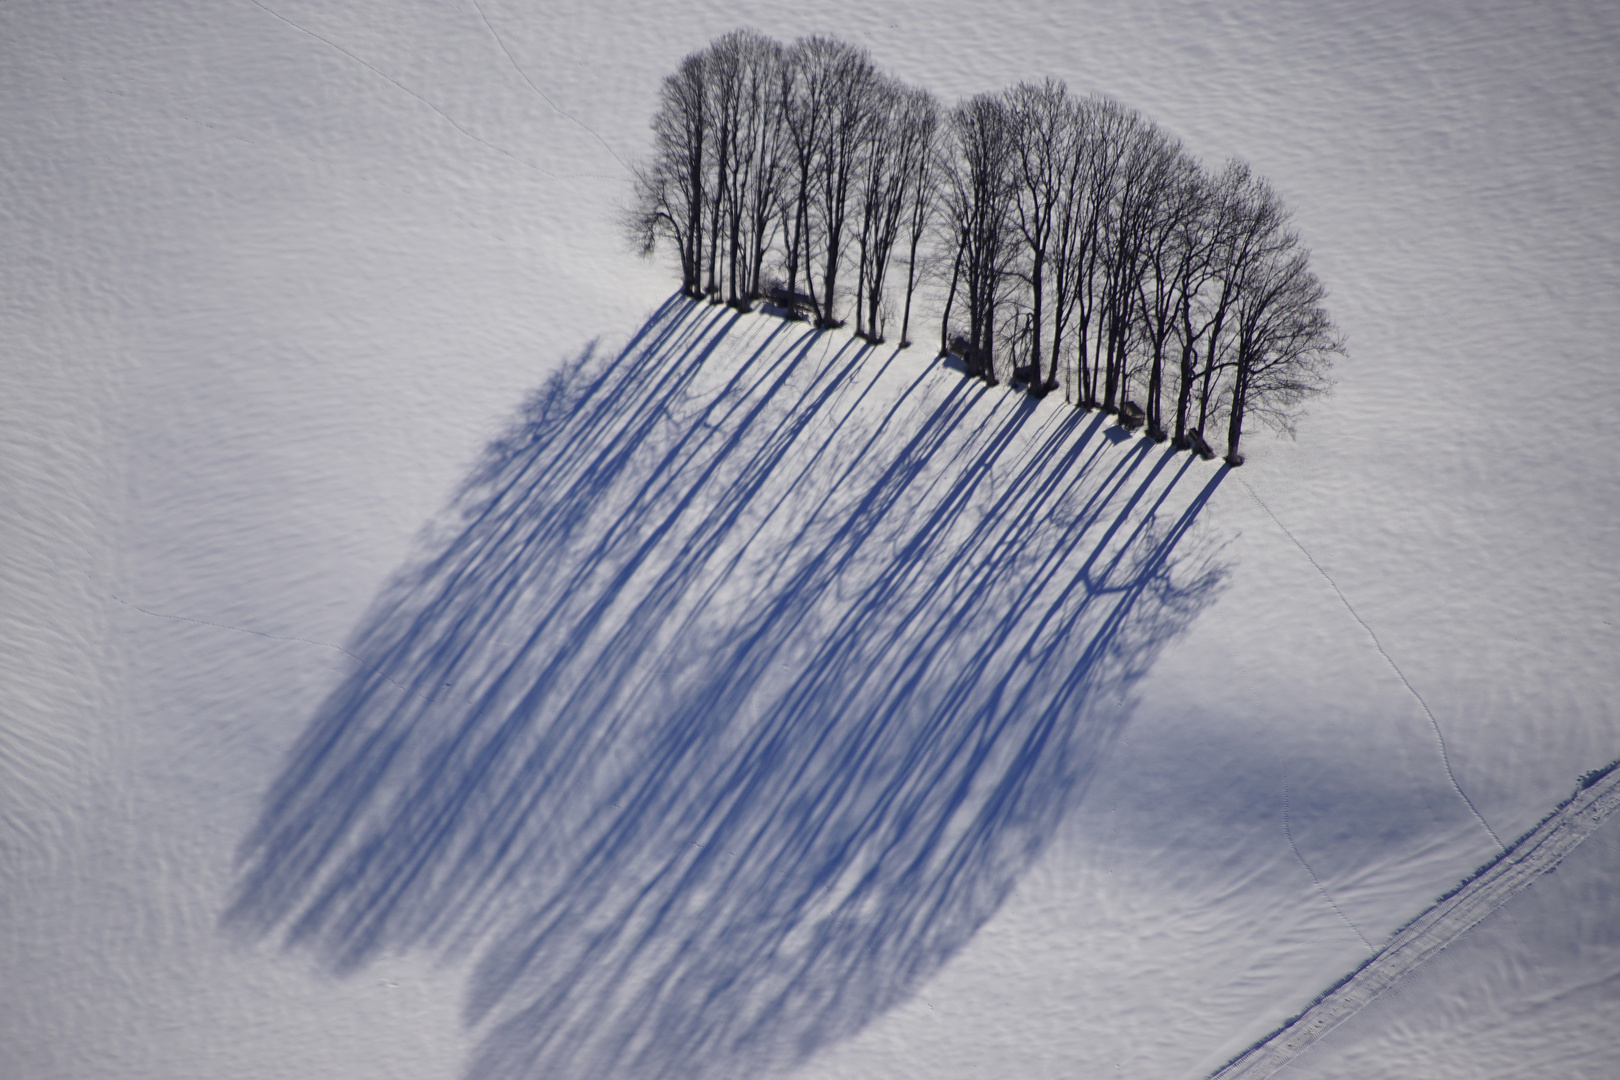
806	158
1058	233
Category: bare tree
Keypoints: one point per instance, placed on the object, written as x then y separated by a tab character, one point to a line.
1041	135
877	179
1196	243
1172	202
894	163
1248	222
767	128
1059	219
851	83
1096	144
978	195
1139	150
722	84
746	68
920	119
1285	341
804	111
1069	225
670	189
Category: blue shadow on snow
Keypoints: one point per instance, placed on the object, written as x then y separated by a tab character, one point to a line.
722	711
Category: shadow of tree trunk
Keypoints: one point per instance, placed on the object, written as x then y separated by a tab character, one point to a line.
730	700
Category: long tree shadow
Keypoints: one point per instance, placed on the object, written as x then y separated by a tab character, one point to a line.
739	689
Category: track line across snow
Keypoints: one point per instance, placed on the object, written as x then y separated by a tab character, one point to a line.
1534	854
558	109
1288	831
1445	758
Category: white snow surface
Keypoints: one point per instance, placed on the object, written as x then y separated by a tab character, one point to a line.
1530	991
277	280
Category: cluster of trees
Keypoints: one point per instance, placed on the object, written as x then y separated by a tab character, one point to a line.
804	159
1057	234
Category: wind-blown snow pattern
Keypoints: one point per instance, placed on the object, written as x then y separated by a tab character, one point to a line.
276	282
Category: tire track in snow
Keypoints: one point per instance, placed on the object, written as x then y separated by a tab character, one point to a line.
384	75
1445	757
543	95
1532	855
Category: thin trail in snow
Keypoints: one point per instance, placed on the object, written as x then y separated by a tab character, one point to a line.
272	637
1288	828
1445	758
395	82
1288	831
543	95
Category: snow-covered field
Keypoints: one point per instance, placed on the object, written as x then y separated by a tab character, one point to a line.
276	280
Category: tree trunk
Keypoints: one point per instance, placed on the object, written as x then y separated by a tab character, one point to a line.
1155	417
1036	290
1086	391
950	299
1234	427
1184	397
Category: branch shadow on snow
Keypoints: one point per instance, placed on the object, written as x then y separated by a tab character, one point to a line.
725	708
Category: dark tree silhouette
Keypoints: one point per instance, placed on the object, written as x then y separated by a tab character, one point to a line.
1285	340
851	101
920	119
1042	171
753	67
978	201
893	170
1165	251
670	191
1053	226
